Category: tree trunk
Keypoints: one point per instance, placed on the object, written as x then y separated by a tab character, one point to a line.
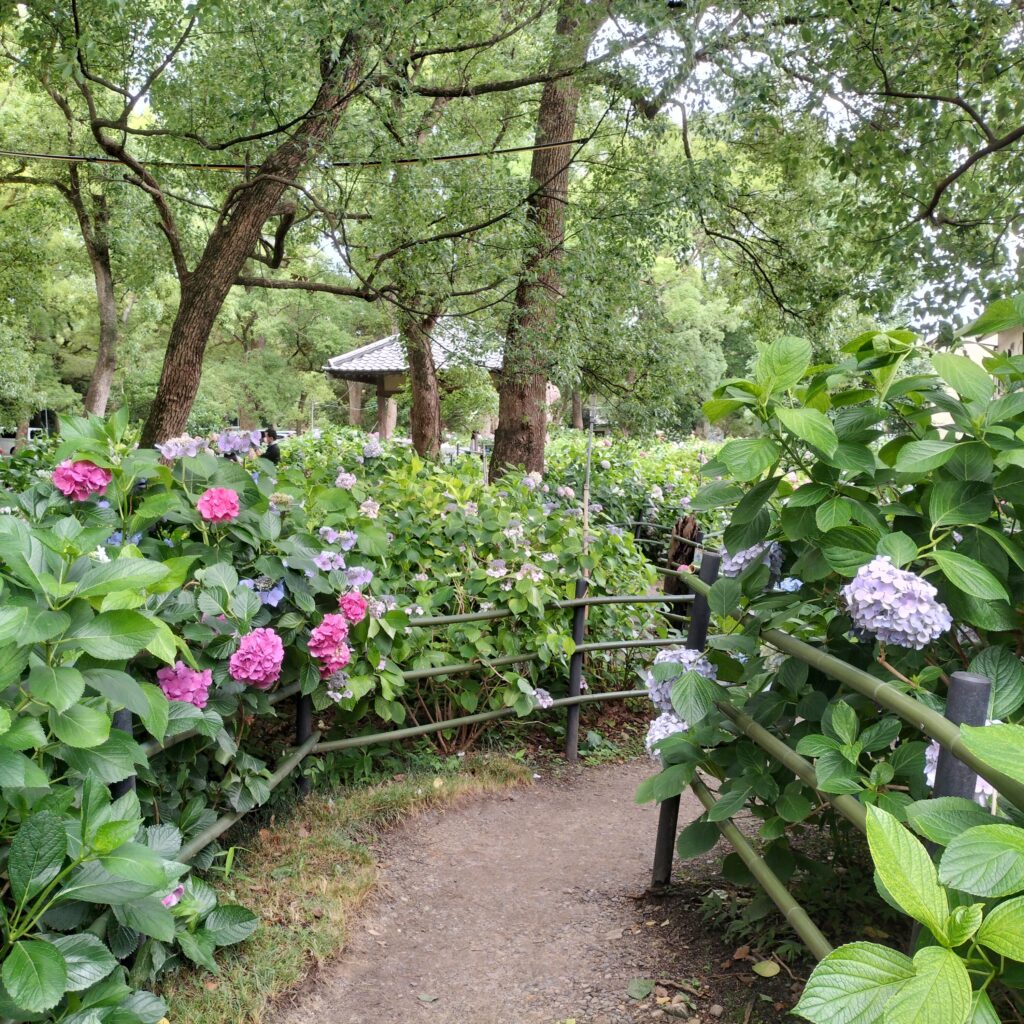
425	415
577	410
522	389
234	237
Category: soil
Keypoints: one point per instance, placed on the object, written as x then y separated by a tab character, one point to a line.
531	907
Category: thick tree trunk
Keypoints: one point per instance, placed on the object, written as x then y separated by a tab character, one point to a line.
237	231
577	410
425	415
522	390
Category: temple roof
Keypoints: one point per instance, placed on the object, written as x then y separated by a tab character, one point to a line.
450	344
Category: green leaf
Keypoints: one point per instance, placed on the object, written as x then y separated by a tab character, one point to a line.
969	576
1006	672
848	548
729	804
229	924
121	574
716	494
672	780
639	988
698	837
906	870
58	687
793	805
198	947
853	984
782	364
157	718
112	761
833	513
137	862
725	594
956	503
1000	746
970	381
25	733
80	726
943	818
35	975
718	408
836	774
844	722
94	884
811	426
963	922
748	458
923	456
113	636
938	993
36	855
1003	929
693	697
1001	315
119	688
86	958
987	860
16	770
982	1010
149	916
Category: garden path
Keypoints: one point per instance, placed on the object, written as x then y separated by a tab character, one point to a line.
524	908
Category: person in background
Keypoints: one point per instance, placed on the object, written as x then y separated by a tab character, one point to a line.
272	453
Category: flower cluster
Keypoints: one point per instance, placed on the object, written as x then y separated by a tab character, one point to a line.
185	684
238	442
327	644
895	606
372	449
258	659
370	509
182	446
328	560
496	568
218	505
688	660
345	539
790	585
358	576
661	728
79	480
353	606
565	492
270	593
346	481
767	552
543	698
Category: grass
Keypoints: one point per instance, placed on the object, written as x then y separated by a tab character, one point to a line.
304	876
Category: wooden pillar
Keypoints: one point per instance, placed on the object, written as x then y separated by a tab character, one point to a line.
387	412
355	403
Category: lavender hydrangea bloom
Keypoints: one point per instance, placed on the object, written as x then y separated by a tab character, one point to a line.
270	593
660	691
895	606
238	442
372	449
358	576
180	447
660	729
370	508
767	552
346	481
543	698
496	569
328	560
347	540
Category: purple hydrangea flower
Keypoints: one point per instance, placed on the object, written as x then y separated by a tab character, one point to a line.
895	606
328	560
660	690
543	698
346	481
372	449
660	729
370	508
180	447
238	442
496	569
767	552
358	576
347	540
329	535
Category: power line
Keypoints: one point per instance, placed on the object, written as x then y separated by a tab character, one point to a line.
84	158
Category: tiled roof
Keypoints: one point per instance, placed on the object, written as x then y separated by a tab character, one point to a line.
451	347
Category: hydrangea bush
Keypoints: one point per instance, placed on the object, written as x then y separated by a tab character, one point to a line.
888	490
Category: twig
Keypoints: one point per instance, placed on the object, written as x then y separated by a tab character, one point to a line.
665	983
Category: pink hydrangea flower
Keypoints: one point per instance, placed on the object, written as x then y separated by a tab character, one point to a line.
353	606
77	480
185	684
173	898
218	505
327	643
258	659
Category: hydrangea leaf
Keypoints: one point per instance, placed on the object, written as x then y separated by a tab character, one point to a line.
987	860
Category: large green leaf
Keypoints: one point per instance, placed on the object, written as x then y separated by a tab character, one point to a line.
943	818
693	696
112	761
113	636
999	746
811	426
848	548
782	364
80	726
1000	315
969	576
119	688
229	924
938	993
58	687
957	502
747	458
86	958
987	860
832	514
92	883
716	494
906	870
16	770
138	862
1003	929
698	837
36	855
34	974
853	984
148	916
1006	672
121	574
923	456
970	381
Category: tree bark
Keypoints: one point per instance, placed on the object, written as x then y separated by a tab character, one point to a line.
577	410
246	210
425	416
522	398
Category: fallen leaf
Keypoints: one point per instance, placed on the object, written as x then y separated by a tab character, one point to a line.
211	986
742	953
767	968
640	988
424	998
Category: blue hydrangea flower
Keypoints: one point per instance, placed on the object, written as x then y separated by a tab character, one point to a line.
894	606
790	585
661	728
660	691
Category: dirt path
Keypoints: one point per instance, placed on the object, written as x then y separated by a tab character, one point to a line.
518	909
